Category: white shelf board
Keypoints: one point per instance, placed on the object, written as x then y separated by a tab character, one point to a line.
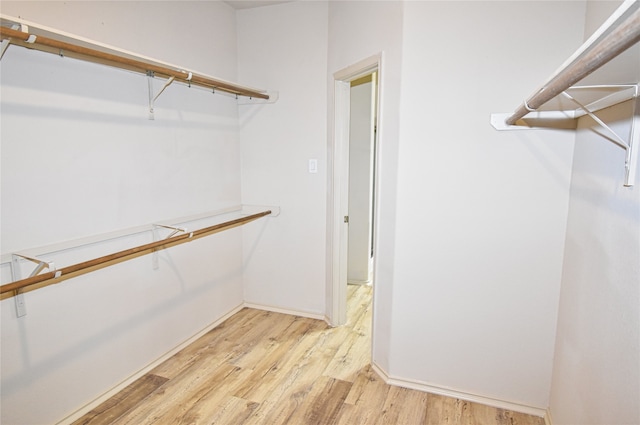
559	112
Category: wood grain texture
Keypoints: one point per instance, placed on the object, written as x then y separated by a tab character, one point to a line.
122	402
112	57
57	275
264	368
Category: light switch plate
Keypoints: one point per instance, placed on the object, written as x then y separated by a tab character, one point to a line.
313	165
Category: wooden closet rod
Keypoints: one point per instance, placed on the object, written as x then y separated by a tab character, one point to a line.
127	254
39	42
617	41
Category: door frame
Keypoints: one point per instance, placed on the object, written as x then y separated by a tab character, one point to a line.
338	186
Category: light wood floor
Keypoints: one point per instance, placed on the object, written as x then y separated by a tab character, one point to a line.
267	368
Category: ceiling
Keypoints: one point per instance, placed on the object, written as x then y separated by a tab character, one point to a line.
250	4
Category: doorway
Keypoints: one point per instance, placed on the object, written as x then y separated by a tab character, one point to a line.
340	217
362	150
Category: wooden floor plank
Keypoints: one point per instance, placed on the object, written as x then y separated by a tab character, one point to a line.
207	408
362	405
295	382
271	373
122	402
232	410
265	368
248	356
448	410
359	297
323	403
283	334
220	339
403	406
354	353
177	396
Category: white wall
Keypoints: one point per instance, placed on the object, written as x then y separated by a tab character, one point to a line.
80	157
146	28
596	374
359	30
481	215
284	48
471	222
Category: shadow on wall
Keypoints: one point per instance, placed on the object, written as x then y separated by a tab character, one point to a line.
12	384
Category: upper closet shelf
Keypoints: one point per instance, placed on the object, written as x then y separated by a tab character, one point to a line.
34	36
563	110
558	103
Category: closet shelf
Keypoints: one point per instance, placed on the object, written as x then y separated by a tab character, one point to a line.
15	31
178	236
561	112
558	103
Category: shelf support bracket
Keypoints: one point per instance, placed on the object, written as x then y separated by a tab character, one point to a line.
3	46
156	237
16	274
7	41
616	138
630	161
152	98
634	145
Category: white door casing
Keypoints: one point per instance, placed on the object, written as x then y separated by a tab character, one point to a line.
337	229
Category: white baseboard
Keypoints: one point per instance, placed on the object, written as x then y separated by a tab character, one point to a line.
287	311
415	385
547	418
358	282
139	374
122	385
434	389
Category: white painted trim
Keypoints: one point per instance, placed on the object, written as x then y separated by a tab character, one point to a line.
359	69
139	374
547	417
287	311
359	282
449	392
337	195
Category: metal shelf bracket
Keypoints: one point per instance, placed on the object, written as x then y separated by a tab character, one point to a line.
156	237
16	274
152	98
558	119
631	160
5	43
